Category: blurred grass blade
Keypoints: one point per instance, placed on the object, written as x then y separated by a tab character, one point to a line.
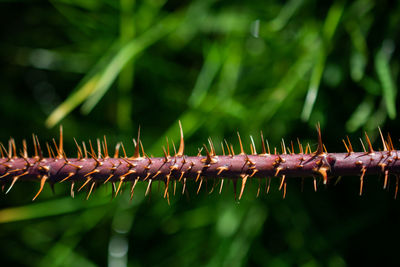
62	251
359	55
126	54
48	208
230	71
285	14
207	74
85	87
72	101
389	88
127	27
314	85
332	20
361	115
96	84
358	63
329	28
377	118
272	100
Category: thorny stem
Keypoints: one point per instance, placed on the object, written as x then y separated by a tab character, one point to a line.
101	168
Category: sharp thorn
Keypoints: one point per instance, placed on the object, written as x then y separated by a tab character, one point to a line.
59	155
72	189
39	148
148	190
99	155
24	149
283	147
254	152
269	152
233	151
222	184
264	151
212	149
167	146
5	151
323	172
244	180
184	186
278	169
68	176
85	183
12	184
50	151
80	155
267	184
363	170
363	145
284	190
108	178
144	153
174	187
133	187
320	148
123	149
227	146
386	179
182	142
137	154
208	159
85	153
166	186
201	182
61	143
105	147
383	140
90	190
90	173
116	153
315	184
121	179
350	145
300	146
390	143
347	149
42	182
165	155
283	180
198	176
370	149
34	147
292	152
241	145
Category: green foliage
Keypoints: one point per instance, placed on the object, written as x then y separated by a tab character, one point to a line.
105	67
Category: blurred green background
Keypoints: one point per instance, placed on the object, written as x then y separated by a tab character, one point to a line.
106	67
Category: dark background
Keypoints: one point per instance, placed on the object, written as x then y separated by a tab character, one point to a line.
106	67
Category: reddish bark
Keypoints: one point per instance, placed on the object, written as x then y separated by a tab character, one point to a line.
101	169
